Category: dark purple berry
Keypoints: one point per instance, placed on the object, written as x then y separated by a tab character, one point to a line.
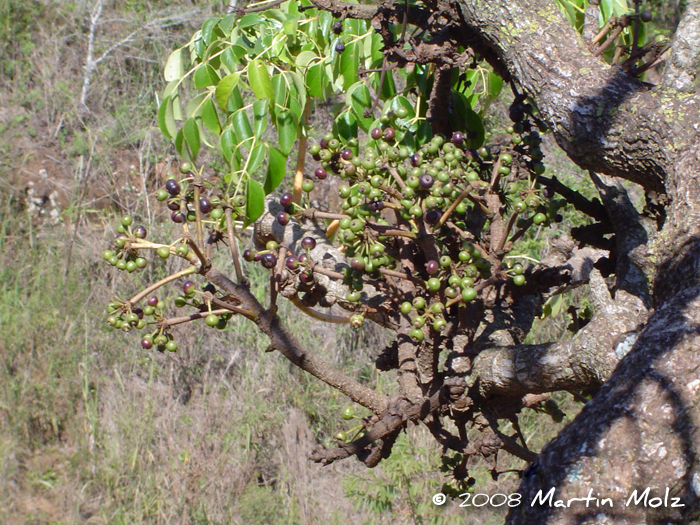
268	260
308	242
516	112
204	205
140	232
153	300
173	205
389	134
346	154
177	217
248	255
302	258
323	143
415	160
458	137
321	173
139	312
376	133
376	206
337	27
432	267
340	47
292	262
187	287
426	181
257	257
283	218
286	199
146	343
306	277
172	187
209	288
432	217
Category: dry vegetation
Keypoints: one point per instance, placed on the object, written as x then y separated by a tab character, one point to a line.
93	429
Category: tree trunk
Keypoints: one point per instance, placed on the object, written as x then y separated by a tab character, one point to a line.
641	430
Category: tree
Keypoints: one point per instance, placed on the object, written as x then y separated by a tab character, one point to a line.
435	269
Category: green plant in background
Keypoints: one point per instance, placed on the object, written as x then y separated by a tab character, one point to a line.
428	213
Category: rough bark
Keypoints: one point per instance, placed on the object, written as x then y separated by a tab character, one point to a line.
641	430
606	120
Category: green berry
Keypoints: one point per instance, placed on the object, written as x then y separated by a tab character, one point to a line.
212	320
419	303
406	308
171	346
468	294
433	284
417	335
127	220
163	252
307	185
348	413
519	280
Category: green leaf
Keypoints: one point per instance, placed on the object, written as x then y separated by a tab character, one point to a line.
276	170
346	126
254	201
226	24
249	20
174	68
208	30
317	81
360	99
260	80
349	64
231	57
463	117
194	106
191	133
260	116
205	76
287	130
304	58
256	157
166	120
224	88
495	84
210	117
227	143
181	146
241	125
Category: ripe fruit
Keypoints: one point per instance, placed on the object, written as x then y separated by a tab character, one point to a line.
340	47
248	255
283	218
426	181
389	134
292	262
146	343
321	174
139	232
152	301
204	205
308	242
212	320
286	199
432	267
268	260
172	187
337	27
188	288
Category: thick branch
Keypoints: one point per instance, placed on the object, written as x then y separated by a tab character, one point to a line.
282	341
604	119
681	68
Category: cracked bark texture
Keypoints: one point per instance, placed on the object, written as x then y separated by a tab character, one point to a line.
642	429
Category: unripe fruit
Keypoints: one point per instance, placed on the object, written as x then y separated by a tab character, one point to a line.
163	252
212	320
406	308
307	185
468	294
419	303
519	280
162	195
417	335
185	167
433	284
348	413
171	346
